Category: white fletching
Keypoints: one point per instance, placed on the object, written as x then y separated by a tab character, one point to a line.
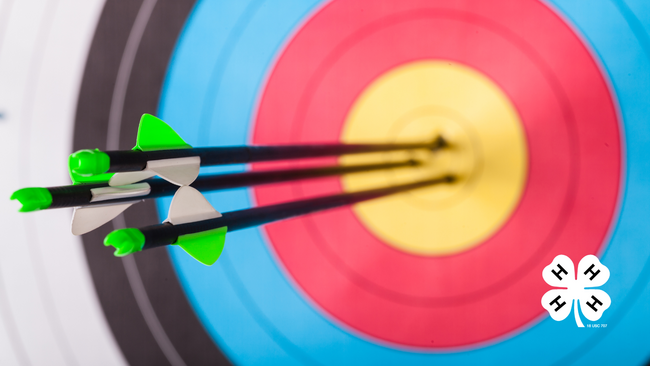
179	171
189	205
122	179
87	219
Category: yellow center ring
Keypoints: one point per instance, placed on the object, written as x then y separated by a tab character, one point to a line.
488	153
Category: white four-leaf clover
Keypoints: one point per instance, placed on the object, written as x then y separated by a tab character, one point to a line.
561	273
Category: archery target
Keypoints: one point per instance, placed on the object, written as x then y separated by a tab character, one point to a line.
432	295
331	288
545	102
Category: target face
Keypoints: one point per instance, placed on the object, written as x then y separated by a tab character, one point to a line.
568	151
547	137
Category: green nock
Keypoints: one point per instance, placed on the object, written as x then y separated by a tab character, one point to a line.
125	241
87	163
33	199
87	166
206	246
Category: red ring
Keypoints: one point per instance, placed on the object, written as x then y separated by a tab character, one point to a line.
567	205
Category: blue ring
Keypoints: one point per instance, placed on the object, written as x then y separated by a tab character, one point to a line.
247	302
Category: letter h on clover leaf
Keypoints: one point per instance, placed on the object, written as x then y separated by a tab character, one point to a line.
561	273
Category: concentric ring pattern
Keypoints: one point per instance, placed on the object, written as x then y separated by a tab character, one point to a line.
324	289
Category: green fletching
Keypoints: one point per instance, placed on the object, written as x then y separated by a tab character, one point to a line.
33	199
154	134
206	246
125	241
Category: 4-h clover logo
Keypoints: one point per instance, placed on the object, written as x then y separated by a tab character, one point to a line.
561	273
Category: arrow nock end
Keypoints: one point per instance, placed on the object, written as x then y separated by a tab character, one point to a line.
125	241
33	198
87	163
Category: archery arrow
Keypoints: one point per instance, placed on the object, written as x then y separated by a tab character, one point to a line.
161	151
99	203
204	239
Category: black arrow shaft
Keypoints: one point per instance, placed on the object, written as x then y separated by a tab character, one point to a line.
81	195
129	160
165	234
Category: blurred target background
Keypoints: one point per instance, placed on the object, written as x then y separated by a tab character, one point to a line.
547	101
